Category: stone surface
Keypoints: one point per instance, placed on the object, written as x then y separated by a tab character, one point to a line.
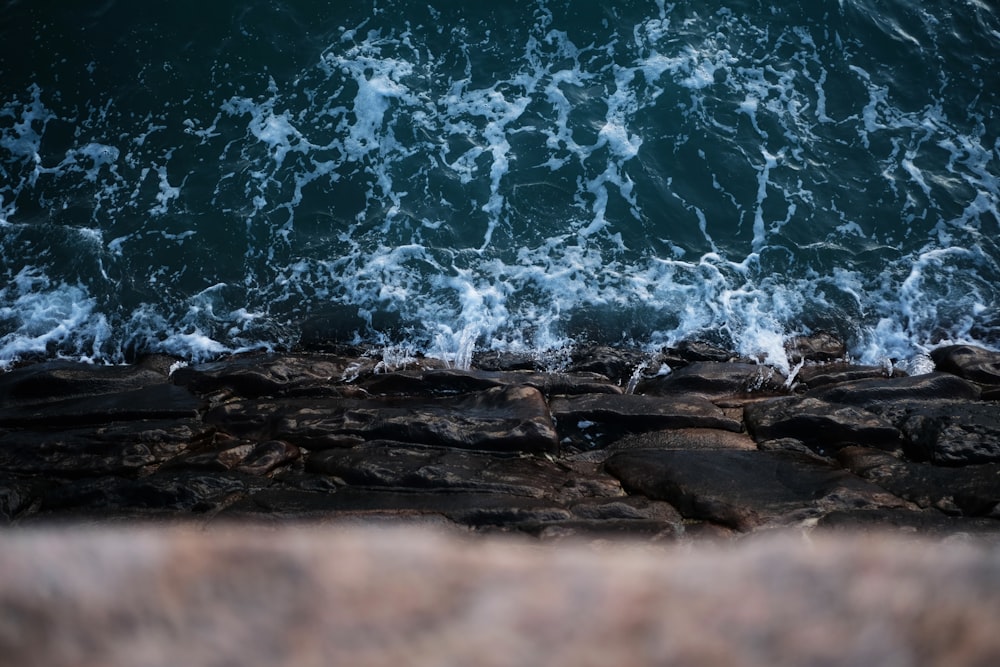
745	490
716	380
360	436
820	346
634	412
821	425
969	362
971	491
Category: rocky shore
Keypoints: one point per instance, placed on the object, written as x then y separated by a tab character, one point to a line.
602	443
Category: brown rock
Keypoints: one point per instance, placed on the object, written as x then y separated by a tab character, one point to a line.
973	490
745	490
821	425
875	392
969	362
820	346
509	418
715	380
632	412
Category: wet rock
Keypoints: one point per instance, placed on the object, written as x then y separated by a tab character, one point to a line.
158	401
454	381
52	381
745	490
631	412
820	346
273	375
967	361
683	438
393	464
176	491
973	490
118	448
877	392
692	351
715	380
492	360
953	433
820	375
614	363
17	494
821	425
252	458
510	418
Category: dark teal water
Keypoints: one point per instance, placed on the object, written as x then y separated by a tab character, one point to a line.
203	177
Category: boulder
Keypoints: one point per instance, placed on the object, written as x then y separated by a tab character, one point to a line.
972	491
745	490
819	375
684	438
820	346
716	380
632	412
156	401
509	418
967	361
876	392
52	381
821	425
128	448
253	376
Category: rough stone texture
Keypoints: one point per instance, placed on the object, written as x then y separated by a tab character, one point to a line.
745	490
634	412
821	425
820	346
357	437
969	362
972	491
717	380
392	596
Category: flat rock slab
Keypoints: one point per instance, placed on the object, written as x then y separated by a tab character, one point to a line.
508	419
157	401
398	465
717	380
274	375
54	380
821	425
455	381
970	362
972	490
875	392
743	489
684	438
127	448
633	412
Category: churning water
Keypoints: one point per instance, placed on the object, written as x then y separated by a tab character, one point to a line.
444	176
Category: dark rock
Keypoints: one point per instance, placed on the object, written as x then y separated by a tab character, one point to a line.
953	433
969	362
716	380
876	392
820	346
820	375
505	361
821	425
614	363
51	381
159	401
17	494
119	448
252	458
455	381
972	490
692	351
793	445
684	438
511	419
630	412
743	489
273	375
400	466
175	490
926	523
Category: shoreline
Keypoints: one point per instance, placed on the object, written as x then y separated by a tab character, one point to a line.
610	443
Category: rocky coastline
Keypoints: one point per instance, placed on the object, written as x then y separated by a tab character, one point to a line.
687	445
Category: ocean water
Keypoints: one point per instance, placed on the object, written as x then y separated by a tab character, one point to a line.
444	177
